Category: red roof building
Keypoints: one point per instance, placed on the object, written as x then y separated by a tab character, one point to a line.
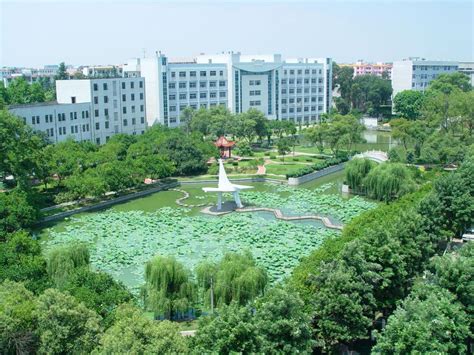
225	146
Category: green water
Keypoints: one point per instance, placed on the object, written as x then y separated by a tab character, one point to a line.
376	140
122	238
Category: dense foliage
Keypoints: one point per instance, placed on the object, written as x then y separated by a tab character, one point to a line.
366	272
435	126
19	91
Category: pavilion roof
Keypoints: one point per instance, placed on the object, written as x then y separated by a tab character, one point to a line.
223	142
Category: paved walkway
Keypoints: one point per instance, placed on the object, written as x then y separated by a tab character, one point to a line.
261	170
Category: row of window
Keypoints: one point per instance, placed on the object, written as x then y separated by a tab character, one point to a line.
124	98
300	118
304	109
195	106
202	95
105	86
124	110
300	71
301	81
255	93
300	91
298	100
193	73
424	76
48	118
193	84
124	122
435	67
255	103
255	82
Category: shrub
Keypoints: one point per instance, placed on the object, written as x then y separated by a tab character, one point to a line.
315	167
272	156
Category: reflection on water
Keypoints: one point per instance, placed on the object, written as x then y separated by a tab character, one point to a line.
376	140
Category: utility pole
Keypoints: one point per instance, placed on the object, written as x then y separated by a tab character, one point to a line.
212	297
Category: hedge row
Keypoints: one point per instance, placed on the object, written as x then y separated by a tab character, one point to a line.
318	166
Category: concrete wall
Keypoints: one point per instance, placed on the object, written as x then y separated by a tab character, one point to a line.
317	174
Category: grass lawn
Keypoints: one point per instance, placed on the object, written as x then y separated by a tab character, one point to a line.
284	168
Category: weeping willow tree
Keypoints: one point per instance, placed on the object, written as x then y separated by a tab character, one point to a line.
389	181
168	287
63	260
356	170
235	278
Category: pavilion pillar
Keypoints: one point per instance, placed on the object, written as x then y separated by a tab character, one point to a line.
237	199
219	201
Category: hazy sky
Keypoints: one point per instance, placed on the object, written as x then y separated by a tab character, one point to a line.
34	33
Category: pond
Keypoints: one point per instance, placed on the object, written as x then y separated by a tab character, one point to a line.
124	237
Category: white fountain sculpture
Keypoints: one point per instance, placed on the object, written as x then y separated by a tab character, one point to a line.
224	185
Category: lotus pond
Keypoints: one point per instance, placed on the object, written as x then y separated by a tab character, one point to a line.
123	238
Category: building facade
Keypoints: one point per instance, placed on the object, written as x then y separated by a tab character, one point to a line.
31	75
468	69
92	110
417	73
378	69
298	90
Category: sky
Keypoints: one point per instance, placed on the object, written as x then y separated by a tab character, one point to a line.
35	33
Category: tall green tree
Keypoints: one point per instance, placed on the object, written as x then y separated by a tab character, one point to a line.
283	323
17	321
62	72
63	260
429	321
408	104
134	333
65	325
388	181
168	288
235	278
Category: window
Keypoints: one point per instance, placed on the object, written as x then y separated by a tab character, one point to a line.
202	73
283	101
292	81
96	87
172	97
221	83
255	103
202	84
106	112
140	84
213	84
222	94
124	110
292	100
106	124
172	85
73	99
306	81
292	72
105	86
134	121
142	120
212	73
298	81
132	85
182	74
292	91
313	81
313	71
125	122
306	71
173	108
192	95
283	81
96	113
213	95
182	107
182	85
124	97
221	72
203	95
132	97
97	126
313	99
320	108
96	100
133	109
173	74
97	141
106	99
300	71
182	96
192	74
192	84
193	106
142	108
203	105
283	91
123	85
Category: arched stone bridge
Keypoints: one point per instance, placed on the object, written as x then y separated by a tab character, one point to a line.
375	155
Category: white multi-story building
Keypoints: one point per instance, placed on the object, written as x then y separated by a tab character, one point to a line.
31	75
468	69
92	109
417	73
102	71
296	89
